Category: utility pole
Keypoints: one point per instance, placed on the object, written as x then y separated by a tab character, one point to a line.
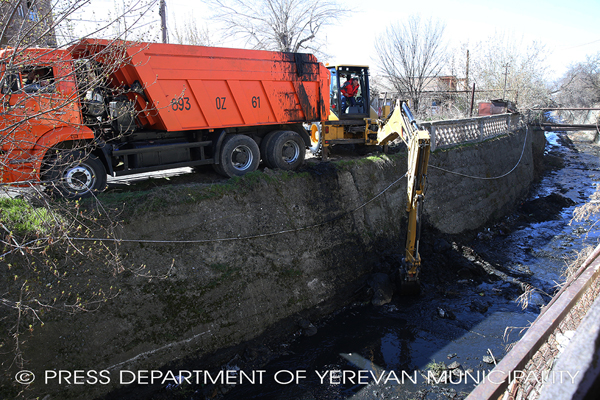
467	74
505	76
163	19
467	82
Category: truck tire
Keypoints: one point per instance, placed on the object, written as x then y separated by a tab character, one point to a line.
239	155
74	174
264	144
286	150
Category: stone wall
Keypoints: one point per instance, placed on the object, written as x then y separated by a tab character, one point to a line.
231	260
493	177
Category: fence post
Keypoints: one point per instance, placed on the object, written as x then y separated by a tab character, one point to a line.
509	123
433	144
481	129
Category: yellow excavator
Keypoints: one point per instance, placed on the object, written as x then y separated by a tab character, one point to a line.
401	123
354	121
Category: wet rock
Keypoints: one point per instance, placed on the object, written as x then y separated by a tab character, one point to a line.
479	306
465	273
441	246
383	289
312	330
308	329
537	299
488	359
260	354
545	208
503	229
485	235
391	308
453	365
447	314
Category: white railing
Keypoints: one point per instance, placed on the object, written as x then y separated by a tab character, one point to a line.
471	130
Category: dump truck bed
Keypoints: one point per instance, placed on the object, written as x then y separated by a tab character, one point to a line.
195	87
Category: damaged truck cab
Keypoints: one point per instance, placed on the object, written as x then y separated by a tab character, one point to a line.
71	116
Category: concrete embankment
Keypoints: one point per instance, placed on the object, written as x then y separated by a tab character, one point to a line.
209	267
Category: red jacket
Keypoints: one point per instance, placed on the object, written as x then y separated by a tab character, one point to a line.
349	90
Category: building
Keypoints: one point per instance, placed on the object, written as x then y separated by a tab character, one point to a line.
26	23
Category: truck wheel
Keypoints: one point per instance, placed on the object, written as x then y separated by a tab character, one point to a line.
286	150
239	155
264	145
75	174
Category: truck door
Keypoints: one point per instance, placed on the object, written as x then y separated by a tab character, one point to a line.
36	98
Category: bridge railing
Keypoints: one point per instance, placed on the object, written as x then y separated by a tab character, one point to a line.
451	133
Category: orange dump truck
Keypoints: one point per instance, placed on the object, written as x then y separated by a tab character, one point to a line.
72	116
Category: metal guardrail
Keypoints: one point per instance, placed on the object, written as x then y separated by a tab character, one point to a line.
450	133
525	370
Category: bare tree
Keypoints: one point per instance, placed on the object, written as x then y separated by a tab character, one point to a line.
191	33
411	56
580	86
278	25
43	90
507	67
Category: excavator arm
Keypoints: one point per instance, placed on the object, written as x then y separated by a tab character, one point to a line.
401	123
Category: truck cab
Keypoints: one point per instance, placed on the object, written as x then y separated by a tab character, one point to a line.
39	109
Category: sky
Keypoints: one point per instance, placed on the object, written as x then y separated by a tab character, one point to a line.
569	29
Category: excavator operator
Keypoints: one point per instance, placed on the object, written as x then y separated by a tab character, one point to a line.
349	91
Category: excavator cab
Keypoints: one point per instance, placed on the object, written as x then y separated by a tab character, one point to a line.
353	105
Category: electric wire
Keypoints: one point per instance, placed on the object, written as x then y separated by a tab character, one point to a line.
227	239
262	235
492	178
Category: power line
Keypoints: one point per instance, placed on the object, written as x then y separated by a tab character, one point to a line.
581	45
228	239
493	178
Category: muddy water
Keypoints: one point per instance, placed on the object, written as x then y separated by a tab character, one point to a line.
463	314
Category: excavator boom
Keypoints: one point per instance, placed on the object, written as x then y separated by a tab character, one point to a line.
401	123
